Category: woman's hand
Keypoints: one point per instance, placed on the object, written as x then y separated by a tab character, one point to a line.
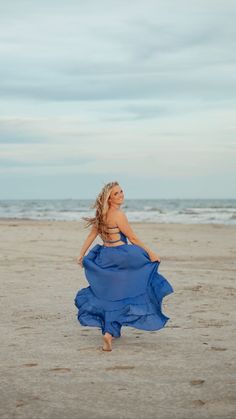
79	260
154	257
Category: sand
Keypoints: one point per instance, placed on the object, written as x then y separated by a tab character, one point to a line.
54	368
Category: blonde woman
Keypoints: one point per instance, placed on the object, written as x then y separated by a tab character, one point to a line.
125	288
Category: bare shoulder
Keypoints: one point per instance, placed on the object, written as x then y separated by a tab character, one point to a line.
120	213
124	226
115	215
120	216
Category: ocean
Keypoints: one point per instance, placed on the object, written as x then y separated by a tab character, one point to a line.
185	211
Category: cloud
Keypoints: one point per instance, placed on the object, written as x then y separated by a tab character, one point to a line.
89	87
93	56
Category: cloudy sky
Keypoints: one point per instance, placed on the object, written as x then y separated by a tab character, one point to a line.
142	92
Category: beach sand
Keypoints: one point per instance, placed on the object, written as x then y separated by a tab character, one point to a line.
54	368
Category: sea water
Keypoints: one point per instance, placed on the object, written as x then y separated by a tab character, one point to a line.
186	211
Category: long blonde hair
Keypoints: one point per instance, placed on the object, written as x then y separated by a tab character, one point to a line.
101	204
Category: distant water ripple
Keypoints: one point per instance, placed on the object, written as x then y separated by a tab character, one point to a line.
185	211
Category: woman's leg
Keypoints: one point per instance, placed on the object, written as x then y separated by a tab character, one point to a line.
107	342
113	328
110	331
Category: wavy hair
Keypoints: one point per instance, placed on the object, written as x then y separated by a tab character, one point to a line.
101	204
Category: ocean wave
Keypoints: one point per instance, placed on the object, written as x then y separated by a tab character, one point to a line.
157	211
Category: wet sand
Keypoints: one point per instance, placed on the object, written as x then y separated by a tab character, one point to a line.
52	367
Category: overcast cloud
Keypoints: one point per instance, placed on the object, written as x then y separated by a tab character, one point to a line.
139	92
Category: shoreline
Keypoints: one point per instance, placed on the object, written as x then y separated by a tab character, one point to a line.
7	220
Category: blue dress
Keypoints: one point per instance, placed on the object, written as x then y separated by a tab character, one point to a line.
125	289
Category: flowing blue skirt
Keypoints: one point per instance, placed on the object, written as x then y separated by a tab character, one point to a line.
125	289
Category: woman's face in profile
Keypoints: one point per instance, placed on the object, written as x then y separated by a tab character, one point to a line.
116	195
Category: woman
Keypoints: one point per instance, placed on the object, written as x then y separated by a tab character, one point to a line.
125	288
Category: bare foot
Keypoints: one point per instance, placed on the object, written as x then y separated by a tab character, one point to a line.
107	339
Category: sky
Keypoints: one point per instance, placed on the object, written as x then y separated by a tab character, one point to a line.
139	92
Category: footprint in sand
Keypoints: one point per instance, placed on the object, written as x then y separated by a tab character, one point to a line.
20	403
119	367
174	326
212	323
198	402
216	348
195	288
24	327
30	365
197	382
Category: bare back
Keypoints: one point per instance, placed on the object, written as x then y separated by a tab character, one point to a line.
113	233
118	219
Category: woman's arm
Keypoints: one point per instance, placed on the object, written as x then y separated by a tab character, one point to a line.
125	227
89	240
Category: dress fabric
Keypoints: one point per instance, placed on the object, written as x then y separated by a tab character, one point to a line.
125	289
